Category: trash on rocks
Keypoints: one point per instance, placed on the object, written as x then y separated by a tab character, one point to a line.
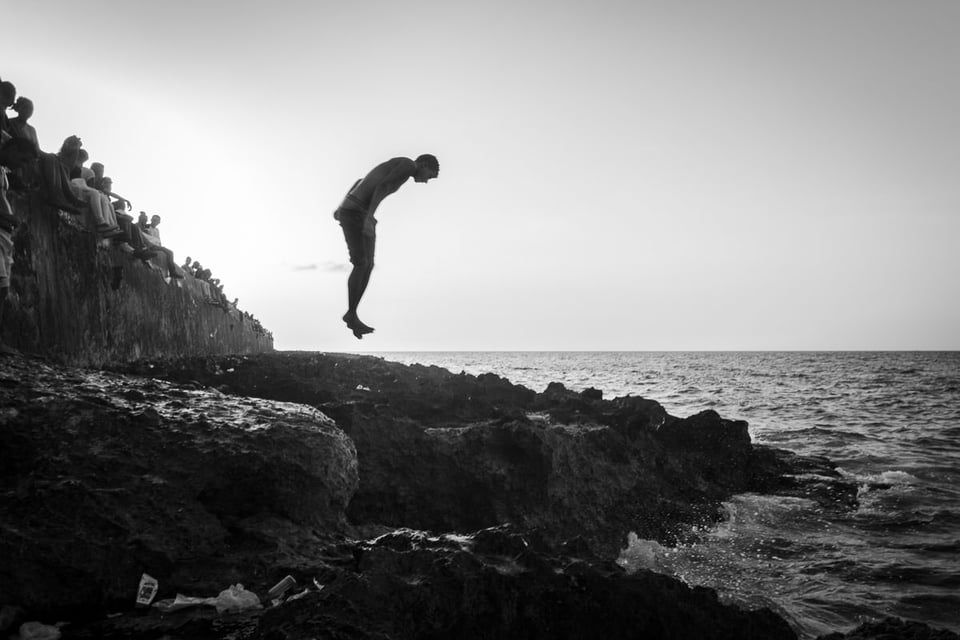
233	598
182	602
281	588
297	596
38	631
147	591
236	598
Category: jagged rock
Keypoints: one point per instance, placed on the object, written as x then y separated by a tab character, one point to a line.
500	584
494	583
592	394
447	452
105	477
199	484
893	629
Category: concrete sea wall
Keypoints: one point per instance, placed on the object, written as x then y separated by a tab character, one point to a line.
81	300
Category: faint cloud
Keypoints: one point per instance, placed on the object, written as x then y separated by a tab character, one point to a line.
329	266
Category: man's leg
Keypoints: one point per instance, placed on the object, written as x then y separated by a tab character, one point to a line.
361	256
369	247
356	285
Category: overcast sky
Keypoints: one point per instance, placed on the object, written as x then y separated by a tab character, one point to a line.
637	175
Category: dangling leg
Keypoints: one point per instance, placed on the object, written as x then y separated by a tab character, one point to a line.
356	285
361	248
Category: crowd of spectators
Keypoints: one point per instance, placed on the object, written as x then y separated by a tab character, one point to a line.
81	194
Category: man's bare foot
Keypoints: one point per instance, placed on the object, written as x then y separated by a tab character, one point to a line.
354	324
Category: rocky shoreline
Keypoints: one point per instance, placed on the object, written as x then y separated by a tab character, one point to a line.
406	501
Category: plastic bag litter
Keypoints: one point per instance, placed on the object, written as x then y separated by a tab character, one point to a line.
182	602
236	598
38	631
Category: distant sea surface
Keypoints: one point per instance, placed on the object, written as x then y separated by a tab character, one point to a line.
890	420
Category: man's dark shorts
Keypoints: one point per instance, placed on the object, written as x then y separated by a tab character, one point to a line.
361	246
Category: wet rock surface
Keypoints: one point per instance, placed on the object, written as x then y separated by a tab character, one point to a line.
501	584
388	486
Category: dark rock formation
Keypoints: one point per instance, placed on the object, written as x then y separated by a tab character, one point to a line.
500	584
893	629
85	302
496	583
208	472
447	452
104	477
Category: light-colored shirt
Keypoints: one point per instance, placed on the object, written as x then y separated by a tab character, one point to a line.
151	235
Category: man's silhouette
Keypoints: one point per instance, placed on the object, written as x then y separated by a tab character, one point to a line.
356	216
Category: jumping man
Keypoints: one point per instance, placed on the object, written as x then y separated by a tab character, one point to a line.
356	216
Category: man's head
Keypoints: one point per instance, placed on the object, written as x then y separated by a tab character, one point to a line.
97	168
83	156
154	220
17	153
427	168
24	108
8	94
71	144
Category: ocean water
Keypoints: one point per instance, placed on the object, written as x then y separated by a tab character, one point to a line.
889	420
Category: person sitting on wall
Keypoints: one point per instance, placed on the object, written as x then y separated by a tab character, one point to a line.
219	295
26	177
197	268
130	238
14	154
101	209
151	235
19	127
8	95
104	184
55	176
187	266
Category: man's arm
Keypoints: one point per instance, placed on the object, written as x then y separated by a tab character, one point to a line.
120	198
